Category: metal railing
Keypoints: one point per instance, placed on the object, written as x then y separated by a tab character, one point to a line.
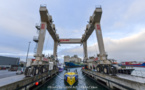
98	6
43	5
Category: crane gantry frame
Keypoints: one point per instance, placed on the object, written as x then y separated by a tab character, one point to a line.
94	23
47	24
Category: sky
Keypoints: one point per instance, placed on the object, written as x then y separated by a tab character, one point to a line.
122	23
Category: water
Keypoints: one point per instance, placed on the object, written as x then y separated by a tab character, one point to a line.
84	83
139	71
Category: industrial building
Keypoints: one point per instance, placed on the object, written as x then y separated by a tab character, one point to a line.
74	58
8	61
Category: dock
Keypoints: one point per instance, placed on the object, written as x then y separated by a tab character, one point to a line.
21	82
119	82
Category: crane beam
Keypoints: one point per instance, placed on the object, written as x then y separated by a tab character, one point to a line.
96	17
69	41
46	17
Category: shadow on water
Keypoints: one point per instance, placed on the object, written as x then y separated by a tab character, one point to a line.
84	83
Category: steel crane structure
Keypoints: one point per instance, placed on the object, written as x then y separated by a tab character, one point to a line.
40	65
102	64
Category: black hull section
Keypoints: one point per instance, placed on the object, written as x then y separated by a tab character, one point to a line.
125	71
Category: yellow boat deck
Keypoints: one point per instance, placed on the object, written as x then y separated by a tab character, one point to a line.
71	77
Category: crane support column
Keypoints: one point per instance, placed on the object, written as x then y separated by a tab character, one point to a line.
55	49
41	39
85	50
102	55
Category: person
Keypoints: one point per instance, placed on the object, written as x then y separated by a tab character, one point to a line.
90	67
93	68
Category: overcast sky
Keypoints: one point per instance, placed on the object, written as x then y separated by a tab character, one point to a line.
122	23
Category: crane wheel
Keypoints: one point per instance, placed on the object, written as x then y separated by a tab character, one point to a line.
35	71
106	70
46	68
27	71
43	69
114	71
98	69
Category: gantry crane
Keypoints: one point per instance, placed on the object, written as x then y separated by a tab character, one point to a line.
41	65
103	64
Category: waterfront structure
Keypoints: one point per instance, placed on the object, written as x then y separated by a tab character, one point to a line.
8	61
73	61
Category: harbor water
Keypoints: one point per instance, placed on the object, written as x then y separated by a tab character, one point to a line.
84	83
138	71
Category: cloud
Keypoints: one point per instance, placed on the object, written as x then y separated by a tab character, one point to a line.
128	48
9	49
21	27
122	17
135	9
120	26
70	33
